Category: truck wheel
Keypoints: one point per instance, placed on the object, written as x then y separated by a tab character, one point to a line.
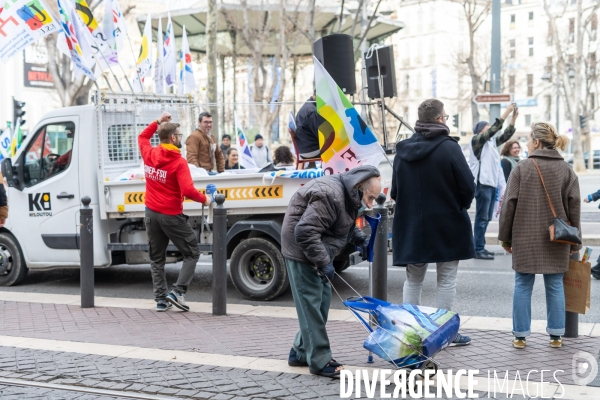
12	264
258	270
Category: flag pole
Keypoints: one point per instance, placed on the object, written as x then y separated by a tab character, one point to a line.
135	61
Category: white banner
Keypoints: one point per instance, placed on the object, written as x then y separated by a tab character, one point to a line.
23	22
246	159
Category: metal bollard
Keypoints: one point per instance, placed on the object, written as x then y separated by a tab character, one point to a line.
380	250
571	318
219	272
86	273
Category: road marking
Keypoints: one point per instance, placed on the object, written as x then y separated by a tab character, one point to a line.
477	323
463	271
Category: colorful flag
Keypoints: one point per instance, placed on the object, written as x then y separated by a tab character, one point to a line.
246	159
144	61
23	22
159	70
5	144
187	83
98	40
17	138
345	139
72	42
170	56
113	29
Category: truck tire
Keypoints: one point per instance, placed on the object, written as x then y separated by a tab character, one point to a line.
13	269
258	270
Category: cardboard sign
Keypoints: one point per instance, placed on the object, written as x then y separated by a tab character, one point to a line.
577	282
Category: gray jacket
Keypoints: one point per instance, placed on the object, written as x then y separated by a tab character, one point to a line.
320	219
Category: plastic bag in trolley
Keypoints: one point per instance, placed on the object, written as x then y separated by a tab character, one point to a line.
405	335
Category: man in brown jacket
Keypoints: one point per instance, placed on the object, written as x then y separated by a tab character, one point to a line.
201	146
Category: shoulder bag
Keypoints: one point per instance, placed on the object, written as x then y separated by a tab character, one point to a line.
560	231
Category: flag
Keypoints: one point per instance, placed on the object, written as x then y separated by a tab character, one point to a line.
5	144
246	159
144	61
17	138
187	83
22	23
345	139
98	41
159	71
72	42
170	60
113	27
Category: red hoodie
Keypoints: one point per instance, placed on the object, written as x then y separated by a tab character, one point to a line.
168	177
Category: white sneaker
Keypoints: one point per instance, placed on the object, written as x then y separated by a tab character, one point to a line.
177	300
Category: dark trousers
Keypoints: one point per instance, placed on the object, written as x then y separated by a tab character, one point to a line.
161	229
485	197
312	298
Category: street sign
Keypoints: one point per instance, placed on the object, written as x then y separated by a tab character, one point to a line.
495	98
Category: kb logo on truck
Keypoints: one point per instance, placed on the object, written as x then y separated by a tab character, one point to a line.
39	205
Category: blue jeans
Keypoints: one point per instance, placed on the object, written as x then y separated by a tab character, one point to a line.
555	304
485	197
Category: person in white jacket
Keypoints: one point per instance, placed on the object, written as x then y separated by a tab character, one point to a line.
484	162
261	153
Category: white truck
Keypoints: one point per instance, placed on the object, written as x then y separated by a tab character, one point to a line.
83	151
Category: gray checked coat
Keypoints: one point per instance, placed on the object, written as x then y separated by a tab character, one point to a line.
526	215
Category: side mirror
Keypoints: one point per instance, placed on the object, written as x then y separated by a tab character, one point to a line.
7	171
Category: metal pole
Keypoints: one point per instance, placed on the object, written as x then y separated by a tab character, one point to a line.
86	274
571	318
496	59
219	273
380	252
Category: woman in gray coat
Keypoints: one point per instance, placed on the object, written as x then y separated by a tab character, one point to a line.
524	223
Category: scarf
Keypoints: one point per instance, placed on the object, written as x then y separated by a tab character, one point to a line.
513	161
432	129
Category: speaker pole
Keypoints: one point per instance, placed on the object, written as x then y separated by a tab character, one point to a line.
382	105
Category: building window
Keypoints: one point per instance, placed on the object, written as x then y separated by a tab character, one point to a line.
528	120
530	19
511	84
548	69
550	33
407	84
512	47
530	42
571	30
594	27
592	101
512	21
529	85
547	113
592	61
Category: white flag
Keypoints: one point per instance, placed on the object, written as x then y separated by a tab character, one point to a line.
159	74
170	61
22	23
187	83
144	61
73	42
246	159
113	28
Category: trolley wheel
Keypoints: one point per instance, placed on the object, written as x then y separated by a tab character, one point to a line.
430	365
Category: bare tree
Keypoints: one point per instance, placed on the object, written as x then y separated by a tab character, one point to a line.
211	56
269	72
570	65
476	11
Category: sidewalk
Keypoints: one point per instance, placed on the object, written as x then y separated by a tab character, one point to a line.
124	345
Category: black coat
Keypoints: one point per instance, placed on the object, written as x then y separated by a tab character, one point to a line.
307	127
320	219
433	187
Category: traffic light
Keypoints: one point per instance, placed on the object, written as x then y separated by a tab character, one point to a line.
18	111
582	121
455	120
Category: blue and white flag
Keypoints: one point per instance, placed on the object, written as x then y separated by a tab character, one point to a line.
246	159
187	82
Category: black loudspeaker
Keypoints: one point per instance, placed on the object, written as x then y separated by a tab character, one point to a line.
336	53
387	68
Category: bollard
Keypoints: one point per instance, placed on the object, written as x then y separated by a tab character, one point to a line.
380	250
86	269
571	318
219	272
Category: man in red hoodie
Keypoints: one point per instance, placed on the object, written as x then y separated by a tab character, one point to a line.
168	180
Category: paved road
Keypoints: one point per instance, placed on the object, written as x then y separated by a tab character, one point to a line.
484	287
